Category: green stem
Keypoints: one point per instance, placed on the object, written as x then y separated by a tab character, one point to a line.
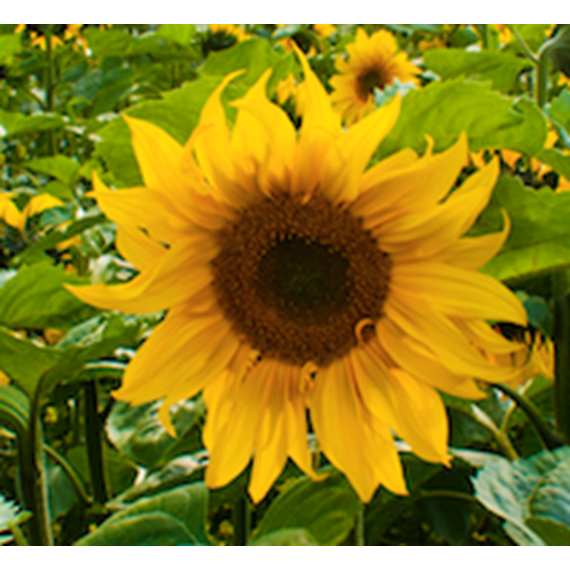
94	443
562	366
444	494
359	528
50	99
541	67
501	437
485	35
549	439
70	472
242	521
33	477
528	52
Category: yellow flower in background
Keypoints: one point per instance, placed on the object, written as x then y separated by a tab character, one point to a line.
505	35
12	216
4	380
296	278
373	62
223	36
37	39
323	30
532	356
289	89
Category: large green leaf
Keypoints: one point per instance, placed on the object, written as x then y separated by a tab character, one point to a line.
176	517
179	33
25	362
532	495
326	510
137	432
446	109
502	69
60	167
12	124
560	162
14	409
539	242
106	43
35	298
560	110
286	537
9	45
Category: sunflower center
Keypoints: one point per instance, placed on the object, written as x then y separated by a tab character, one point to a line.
295	278
369	81
307	282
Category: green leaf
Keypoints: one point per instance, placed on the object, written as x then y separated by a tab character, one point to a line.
446	109
178	33
14	408
254	56
285	537
539	315
35	298
60	167
539	240
138	433
178	516
501	68
35	252
9	45
535	490
559	48
24	362
12	124
560	110
327	510
149	529
559	161
106	43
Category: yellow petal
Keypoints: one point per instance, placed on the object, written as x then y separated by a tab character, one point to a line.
412	408
421	364
137	247
344	431
142	207
458	292
357	146
385	194
181	272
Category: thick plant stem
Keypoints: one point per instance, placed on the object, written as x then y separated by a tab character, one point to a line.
94	444
33	477
242	521
541	67
562	367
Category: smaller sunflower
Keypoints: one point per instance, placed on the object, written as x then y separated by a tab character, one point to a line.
223	36
373	63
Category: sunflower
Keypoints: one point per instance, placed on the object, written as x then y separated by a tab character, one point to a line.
223	36
298	280
373	63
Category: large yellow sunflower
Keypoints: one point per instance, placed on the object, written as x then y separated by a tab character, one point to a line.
297	279
373	62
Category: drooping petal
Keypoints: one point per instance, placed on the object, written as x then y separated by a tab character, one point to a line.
438	333
141	207
179	368
137	247
366	456
458	292
418	362
412	408
180	273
